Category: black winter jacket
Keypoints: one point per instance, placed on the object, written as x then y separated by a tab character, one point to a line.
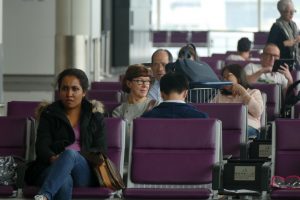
55	132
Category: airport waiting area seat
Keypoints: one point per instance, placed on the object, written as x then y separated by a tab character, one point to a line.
173	158
115	130
234	126
274	96
13	143
22	108
286	155
106	85
105	95
260	39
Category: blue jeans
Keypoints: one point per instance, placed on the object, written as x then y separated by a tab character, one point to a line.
70	169
253	132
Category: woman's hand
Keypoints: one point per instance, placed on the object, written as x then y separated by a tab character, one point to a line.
290	43
237	89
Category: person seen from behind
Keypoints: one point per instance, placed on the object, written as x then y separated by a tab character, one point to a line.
174	90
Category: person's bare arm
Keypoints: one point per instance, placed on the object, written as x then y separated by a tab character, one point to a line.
255	76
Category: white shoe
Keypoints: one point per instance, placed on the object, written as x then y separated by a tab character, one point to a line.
40	197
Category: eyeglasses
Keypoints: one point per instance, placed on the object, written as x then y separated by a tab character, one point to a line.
270	55
142	82
290	11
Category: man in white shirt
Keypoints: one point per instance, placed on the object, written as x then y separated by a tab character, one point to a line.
263	72
159	59
243	50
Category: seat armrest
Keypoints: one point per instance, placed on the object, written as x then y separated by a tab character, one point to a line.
244	150
216	176
21	168
266	176
227	157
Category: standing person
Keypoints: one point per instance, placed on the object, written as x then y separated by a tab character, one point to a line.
284	32
174	89
263	72
243	50
159	59
66	127
241	92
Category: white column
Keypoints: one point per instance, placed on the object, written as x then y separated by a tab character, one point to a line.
77	24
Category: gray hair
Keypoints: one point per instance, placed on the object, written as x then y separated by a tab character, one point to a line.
283	4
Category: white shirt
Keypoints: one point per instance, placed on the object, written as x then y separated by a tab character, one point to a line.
154	92
271	77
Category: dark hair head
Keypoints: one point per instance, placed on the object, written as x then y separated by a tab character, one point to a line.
170	57
132	72
188	51
244	45
78	73
173	82
238	72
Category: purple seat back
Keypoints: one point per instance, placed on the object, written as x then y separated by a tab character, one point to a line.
273	104
159	37
106	86
109	107
199	38
234	124
260	39
179	37
115	133
22	108
286	155
173	151
105	95
13	136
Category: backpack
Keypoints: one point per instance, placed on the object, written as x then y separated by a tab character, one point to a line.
195	71
290	100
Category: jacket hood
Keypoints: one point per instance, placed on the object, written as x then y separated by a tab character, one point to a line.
97	106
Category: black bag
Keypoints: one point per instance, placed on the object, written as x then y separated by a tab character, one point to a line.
290	100
195	71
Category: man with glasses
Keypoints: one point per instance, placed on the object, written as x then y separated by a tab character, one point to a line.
284	32
263	72
159	59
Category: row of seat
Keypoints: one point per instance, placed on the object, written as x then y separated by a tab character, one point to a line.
198	38
172	158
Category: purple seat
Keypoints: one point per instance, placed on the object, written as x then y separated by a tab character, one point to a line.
13	142
273	104
260	39
159	38
106	86
178	38
219	56
286	155
199	38
234	134
214	63
172	158
115	130
105	95
109	107
22	108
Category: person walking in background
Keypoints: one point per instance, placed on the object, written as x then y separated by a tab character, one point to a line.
284	32
174	89
66	127
241	92
159	59
243	50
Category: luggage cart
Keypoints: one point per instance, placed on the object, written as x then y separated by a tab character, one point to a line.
204	92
